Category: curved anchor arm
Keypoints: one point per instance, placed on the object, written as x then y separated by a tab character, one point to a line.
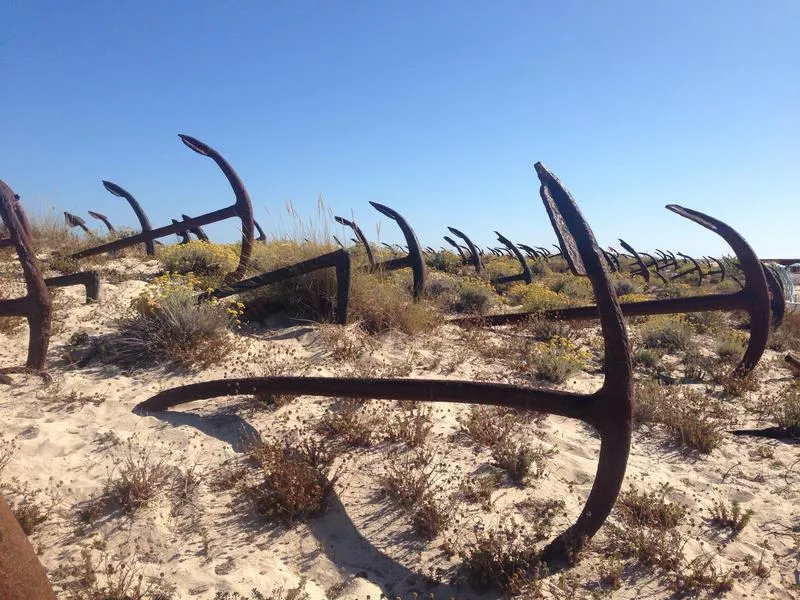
261	237
474	258
608	410
183	233
526	274
413	259
643	270
144	222
75	221
197	230
696	268
104	219
360	236
453	243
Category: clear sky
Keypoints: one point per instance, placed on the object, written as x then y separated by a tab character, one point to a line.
438	109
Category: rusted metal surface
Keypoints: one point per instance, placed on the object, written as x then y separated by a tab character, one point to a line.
528	250
198	231
695	268
777	295
338	260
458	248
474	258
754	297
263	238
183	234
607	410
22	576
525	275
643	271
104	219
35	306
360	237
90	280
144	222
242	209
75	221
413	259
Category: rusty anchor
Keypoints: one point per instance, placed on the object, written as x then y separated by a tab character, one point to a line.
241	209
360	237
607	410
474	258
754	297
262	237
525	275
528	250
460	250
693	269
183	234
22	576
75	221
338	260
104	219
144	222
36	305
198	231
643	271
413	254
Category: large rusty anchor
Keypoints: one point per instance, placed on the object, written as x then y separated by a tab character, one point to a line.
338	260
106	221
607	410
35	306
413	259
525	275
474	258
754	297
241	209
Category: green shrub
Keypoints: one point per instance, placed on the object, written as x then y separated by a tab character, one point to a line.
209	262
557	359
666	333
168	324
474	298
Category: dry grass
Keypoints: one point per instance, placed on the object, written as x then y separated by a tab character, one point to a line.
521	461
666	333
295	482
734	518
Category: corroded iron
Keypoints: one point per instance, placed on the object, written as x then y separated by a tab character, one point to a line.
242	209
474	258
362	239
104	219
90	280
36	305
144	222
412	260
22	576
695	268
76	221
198	231
754	297
458	248
338	260
529	251
261	236
183	234
608	410
525	275
643	271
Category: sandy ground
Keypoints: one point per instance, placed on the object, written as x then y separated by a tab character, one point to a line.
72	433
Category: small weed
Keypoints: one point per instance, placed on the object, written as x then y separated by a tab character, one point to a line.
521	460
109	579
557	359
649	508
647	358
702	574
137	478
295	484
430	518
649	399
349	425
488	425
412	425
733	518
479	489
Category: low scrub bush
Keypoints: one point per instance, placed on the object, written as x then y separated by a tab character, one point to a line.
488	425
731	345
294	480
734	518
535	297
667	333
474	297
649	508
557	360
521	461
167	324
787	336
209	262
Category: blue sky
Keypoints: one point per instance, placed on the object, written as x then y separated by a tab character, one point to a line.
438	109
